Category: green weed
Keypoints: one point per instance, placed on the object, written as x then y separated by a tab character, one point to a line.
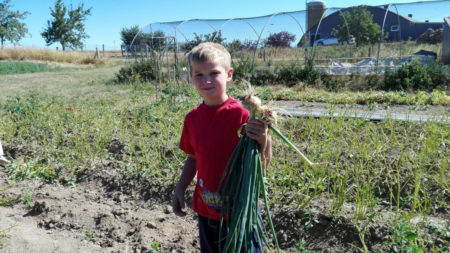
18	67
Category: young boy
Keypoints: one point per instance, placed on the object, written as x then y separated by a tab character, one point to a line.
209	136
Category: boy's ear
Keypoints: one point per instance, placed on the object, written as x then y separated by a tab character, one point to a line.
230	74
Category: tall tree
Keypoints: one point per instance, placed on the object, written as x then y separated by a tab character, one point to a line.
360	24
67	26
127	35
155	40
281	39
11	29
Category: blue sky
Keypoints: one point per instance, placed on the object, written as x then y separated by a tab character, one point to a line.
110	16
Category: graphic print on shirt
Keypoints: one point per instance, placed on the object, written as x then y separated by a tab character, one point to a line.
212	199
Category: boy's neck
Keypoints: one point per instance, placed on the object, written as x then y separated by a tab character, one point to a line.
215	102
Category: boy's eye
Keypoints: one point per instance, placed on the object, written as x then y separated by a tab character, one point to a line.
214	73
199	75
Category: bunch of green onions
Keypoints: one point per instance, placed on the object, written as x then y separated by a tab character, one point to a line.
241	192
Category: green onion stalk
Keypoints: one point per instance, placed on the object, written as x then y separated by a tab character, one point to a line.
241	193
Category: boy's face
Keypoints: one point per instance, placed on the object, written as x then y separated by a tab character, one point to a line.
210	79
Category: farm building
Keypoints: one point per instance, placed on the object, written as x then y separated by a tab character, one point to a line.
397	26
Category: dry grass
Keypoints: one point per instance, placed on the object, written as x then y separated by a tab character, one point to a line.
48	55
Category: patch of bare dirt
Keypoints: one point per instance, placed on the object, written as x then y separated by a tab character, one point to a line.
94	216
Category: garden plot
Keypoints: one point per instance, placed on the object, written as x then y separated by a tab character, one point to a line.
99	177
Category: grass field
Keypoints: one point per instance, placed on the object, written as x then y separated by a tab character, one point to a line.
391	177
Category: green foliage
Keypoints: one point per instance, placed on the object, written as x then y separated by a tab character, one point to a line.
127	34
31	170
144	70
301	247
404	238
210	37
11	29
155	40
156	247
67	26
415	76
11	67
7	201
288	75
359	24
233	47
292	74
242	67
26	197
263	77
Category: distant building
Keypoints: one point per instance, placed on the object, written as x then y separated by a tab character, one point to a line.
398	27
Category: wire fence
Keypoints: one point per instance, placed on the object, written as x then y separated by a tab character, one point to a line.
314	42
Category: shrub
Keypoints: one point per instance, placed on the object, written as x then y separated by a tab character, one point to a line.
144	70
263	77
242	68
415	77
292	74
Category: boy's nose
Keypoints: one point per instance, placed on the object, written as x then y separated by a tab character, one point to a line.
208	79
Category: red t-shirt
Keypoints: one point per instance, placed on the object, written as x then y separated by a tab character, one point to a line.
210	134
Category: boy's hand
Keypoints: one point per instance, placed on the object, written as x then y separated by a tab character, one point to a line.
258	131
178	202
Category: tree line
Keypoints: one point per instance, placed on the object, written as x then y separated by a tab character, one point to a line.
357	23
67	27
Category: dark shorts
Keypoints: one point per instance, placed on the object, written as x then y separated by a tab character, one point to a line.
209	236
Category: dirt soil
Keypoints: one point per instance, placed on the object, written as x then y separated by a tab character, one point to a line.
102	214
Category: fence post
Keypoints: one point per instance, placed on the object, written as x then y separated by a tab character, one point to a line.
103	48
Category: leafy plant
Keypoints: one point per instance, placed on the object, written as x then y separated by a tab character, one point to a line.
31	170
26	197
89	234
263	77
415	76
143	70
301	247
242	68
310	217
404	238
156	247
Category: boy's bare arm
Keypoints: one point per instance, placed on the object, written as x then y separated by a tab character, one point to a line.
187	175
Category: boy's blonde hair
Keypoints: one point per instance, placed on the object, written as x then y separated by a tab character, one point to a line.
210	51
